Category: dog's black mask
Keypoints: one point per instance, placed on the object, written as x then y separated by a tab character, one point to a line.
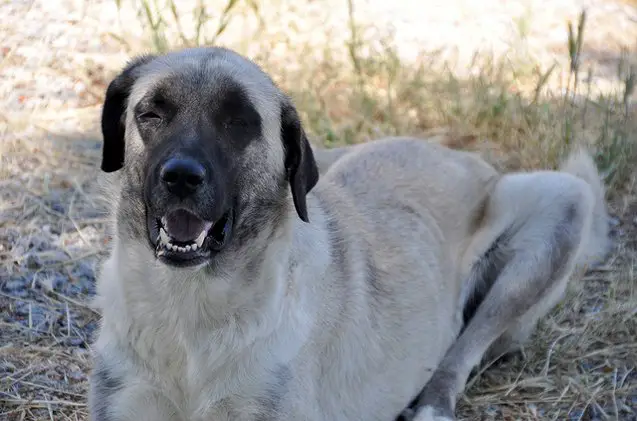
193	134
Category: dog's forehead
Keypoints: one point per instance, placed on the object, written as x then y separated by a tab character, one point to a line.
196	74
205	73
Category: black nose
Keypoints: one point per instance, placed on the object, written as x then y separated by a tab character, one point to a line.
182	177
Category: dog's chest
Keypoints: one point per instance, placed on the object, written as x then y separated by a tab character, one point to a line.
257	398
242	408
214	382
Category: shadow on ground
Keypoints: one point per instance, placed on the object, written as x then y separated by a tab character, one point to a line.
52	234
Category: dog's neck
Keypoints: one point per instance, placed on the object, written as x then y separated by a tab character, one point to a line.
196	316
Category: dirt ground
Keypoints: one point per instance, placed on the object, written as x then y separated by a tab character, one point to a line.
56	58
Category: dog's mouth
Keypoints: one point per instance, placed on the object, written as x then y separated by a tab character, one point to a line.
184	239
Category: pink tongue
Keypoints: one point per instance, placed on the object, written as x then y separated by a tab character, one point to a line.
184	227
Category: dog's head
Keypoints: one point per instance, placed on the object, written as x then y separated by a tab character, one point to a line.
211	153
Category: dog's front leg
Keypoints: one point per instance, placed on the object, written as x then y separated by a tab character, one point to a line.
118	396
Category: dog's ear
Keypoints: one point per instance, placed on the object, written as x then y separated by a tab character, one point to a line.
113	124
300	165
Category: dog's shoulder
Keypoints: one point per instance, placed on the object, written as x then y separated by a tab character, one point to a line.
440	181
404	159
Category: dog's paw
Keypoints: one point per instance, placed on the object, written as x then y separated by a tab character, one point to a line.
426	413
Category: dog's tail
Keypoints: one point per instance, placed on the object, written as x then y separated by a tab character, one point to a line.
580	164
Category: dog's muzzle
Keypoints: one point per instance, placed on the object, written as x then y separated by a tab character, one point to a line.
181	237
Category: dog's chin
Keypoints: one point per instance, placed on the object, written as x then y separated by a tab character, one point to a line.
183	239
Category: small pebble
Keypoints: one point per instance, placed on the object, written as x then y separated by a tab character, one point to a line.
59	282
15	284
21	308
491	410
38	243
77	375
33	262
575	415
7	367
74	341
37	313
20	293
58	207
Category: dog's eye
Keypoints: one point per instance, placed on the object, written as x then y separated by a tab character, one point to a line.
149	116
231	122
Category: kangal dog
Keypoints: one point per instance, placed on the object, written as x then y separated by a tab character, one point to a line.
253	277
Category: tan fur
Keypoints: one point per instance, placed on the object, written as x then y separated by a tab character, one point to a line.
357	310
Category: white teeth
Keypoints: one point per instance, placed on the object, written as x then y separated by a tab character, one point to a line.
201	238
164	240
172	247
164	236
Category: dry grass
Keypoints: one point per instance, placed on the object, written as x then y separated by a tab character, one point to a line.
50	232
349	88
